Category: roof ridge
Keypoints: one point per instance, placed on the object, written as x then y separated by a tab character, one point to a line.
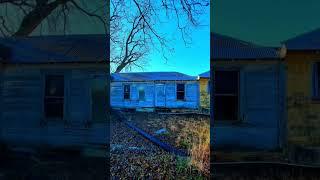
246	42
300	35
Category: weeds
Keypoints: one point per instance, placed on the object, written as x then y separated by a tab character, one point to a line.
195	136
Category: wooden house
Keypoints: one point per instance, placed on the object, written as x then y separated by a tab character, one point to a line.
249	95
168	90
303	89
204	83
54	91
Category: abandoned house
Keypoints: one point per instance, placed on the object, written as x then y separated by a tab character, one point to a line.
154	90
249	95
53	91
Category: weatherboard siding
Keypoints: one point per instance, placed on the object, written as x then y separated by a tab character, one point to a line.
22	114
191	95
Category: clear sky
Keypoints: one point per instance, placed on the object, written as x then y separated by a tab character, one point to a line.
265	22
192	59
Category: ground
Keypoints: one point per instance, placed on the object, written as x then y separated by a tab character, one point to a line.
64	167
133	156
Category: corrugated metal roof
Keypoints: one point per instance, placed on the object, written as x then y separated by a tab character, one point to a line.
205	74
305	41
64	48
227	48
151	76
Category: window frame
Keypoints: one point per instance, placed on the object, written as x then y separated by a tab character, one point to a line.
230	95
124	92
45	77
184	91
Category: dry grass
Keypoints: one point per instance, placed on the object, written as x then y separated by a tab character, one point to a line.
195	136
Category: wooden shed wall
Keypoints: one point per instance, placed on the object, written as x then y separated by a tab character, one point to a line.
23	101
303	112
204	95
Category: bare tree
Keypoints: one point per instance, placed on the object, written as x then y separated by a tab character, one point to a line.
135	24
24	17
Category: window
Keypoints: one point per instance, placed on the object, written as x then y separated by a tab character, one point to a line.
226	95
54	96
126	92
141	94
316	80
180	91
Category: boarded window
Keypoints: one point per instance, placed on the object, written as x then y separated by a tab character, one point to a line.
180	91
226	95
316	80
54	96
141	94
126	92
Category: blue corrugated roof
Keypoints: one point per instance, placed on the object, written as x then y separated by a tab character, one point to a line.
64	48
226	47
305	41
205	74
151	76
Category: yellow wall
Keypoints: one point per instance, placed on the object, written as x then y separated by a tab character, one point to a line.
204	96
303	112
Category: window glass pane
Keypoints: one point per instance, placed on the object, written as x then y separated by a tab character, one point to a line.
126	93
226	108
226	82
54	86
54	96
180	95
180	87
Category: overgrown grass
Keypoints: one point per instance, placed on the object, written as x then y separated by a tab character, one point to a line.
195	137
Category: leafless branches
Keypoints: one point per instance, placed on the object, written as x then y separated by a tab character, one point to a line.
135	24
32	14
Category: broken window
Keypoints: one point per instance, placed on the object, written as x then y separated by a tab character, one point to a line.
126	92
180	91
226	95
54	96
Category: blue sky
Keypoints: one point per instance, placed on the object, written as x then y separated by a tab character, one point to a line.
265	22
192	59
